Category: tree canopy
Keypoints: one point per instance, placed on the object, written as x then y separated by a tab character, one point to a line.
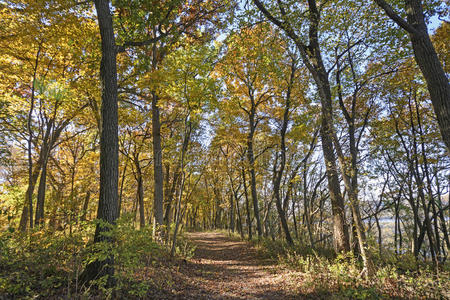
322	124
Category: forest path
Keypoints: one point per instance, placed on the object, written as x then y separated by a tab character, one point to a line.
223	268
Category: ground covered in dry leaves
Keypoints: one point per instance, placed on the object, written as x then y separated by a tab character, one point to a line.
223	268
226	268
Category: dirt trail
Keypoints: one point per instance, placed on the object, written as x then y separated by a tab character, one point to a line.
225	269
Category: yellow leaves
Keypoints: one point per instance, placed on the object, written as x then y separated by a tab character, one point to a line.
299	132
441	41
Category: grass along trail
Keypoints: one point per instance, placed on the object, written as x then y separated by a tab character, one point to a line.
225	268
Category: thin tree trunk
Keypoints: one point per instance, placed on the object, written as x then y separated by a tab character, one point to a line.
278	174
121	188
44	155
39	219
85	205
312	58
231	212
420	189
140	192
31	181
294	218
25	212
306	207
441	212
178	214
247	206
239	219
254	192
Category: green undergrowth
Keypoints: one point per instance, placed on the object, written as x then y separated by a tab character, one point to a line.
329	276
44	264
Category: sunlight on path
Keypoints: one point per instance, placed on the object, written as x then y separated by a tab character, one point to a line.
226	269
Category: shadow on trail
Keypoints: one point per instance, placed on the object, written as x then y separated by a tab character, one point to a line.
228	269
225	269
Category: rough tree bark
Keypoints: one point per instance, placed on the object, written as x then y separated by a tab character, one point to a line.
158	190
427	59
109	155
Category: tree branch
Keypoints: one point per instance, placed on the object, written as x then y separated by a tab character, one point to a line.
395	17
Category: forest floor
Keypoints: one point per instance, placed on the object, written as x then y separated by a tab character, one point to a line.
223	268
219	267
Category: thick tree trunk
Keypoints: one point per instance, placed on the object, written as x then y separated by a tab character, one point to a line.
109	156
427	59
340	234
158	189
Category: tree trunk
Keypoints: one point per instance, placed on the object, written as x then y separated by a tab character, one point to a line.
31	180
140	192
119	208
427	59
340	234
247	206
170	196
441	212
278	174
239	217
85	205
158	189
31	184
231	212
251	160
39	219
109	156
312	58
